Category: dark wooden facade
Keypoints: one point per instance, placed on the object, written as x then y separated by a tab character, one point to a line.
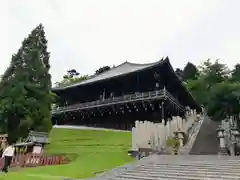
126	93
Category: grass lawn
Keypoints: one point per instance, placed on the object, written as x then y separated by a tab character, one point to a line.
93	151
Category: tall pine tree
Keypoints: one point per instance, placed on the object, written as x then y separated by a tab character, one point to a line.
25	89
190	71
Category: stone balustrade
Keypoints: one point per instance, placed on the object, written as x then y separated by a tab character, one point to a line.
154	136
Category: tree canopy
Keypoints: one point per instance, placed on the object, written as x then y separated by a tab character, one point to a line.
25	88
102	70
235	74
190	71
72	77
216	88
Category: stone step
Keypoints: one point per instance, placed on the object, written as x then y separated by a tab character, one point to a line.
206	142
198	162
235	168
184	163
228	158
223	166
222	162
189	174
187	157
192	157
157	167
214	169
182	174
169	176
175	173
163	178
184	171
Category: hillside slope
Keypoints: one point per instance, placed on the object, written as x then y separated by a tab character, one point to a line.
92	151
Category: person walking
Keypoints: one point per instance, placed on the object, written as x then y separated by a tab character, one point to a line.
8	154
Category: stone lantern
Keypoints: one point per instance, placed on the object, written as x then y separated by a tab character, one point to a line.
180	135
223	149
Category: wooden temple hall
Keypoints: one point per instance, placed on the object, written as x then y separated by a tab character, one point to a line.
120	96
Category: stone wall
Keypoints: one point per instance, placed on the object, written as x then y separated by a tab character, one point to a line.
146	134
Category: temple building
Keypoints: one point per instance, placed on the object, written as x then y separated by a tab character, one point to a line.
125	93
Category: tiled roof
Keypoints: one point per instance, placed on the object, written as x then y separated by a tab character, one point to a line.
38	137
119	70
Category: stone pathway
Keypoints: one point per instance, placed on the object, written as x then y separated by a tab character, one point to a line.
189	167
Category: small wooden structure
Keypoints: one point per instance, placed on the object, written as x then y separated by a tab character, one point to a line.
34	143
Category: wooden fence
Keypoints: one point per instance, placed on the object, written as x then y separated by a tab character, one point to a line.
32	160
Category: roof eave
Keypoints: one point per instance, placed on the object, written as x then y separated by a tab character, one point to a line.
181	83
23	144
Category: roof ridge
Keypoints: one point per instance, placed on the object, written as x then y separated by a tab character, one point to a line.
152	63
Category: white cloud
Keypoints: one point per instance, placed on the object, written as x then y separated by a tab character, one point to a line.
86	34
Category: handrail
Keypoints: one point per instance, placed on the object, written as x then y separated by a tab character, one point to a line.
173	99
127	97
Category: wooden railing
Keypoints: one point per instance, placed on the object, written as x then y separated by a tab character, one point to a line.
34	160
121	99
174	100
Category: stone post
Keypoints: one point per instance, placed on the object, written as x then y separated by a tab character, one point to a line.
235	138
134	139
223	149
232	147
235	133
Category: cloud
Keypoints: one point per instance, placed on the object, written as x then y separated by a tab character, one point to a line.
86	34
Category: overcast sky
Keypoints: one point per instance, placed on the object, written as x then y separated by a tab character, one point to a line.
87	34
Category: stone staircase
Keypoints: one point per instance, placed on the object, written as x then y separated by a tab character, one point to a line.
206	142
181	167
192	135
